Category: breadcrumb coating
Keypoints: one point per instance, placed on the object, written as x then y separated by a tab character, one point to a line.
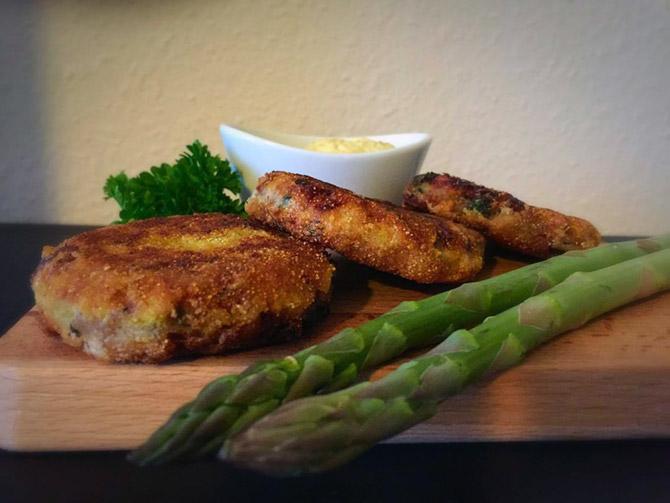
154	289
539	232
375	233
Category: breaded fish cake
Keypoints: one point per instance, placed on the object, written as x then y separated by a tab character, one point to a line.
539	232
153	289
375	233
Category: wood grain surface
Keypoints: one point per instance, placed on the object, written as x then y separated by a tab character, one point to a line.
609	379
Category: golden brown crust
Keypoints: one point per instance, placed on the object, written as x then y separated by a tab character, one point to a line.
375	233
539	232
157	288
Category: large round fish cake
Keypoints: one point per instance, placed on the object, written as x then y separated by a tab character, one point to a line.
153	289
378	234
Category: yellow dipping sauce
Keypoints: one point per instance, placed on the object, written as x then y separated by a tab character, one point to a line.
348	146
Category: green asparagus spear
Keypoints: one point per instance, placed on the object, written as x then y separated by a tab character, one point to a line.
318	433
230	403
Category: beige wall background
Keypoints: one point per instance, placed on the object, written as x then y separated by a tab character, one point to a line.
564	103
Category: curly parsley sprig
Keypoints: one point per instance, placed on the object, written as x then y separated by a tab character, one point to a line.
198	182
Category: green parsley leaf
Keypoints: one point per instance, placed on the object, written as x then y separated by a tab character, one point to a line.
198	182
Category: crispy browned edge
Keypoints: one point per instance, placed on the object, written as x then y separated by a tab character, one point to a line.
500	216
192	296
375	233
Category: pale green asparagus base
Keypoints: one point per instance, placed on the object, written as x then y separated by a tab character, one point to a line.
318	433
230	403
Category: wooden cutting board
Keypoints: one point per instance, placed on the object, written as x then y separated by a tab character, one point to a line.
610	379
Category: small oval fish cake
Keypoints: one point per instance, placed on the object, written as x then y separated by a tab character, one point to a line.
504	219
200	284
375	233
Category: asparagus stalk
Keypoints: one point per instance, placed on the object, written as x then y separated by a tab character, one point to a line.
318	433
230	403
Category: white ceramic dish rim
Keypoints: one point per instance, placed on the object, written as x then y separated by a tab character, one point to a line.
261	136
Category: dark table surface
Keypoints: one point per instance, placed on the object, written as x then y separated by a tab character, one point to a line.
627	471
